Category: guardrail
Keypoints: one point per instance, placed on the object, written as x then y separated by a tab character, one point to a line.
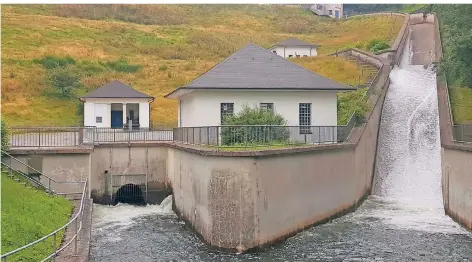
76	219
244	136
44	137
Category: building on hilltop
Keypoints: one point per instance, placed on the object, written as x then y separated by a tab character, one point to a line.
257	77
105	107
331	10
293	47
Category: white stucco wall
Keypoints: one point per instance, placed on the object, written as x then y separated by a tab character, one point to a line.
325	9
294	51
202	108
94	107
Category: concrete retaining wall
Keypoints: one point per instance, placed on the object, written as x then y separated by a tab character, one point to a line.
114	160
456	157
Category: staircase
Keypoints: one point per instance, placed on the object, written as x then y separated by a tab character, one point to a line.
12	168
366	68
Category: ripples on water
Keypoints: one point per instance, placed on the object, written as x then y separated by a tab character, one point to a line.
403	221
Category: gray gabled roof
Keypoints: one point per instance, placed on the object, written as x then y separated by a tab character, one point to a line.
256	68
115	89
294	42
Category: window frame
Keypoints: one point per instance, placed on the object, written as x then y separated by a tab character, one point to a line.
225	112
268	107
304	118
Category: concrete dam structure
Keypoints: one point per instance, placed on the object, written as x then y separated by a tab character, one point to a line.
389	172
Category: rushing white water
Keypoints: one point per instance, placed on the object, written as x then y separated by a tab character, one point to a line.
122	216
408	178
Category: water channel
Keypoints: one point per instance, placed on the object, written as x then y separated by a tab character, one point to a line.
403	220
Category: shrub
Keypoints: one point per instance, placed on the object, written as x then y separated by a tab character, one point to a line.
379	47
5	136
376	45
258	126
51	61
121	65
163	68
65	80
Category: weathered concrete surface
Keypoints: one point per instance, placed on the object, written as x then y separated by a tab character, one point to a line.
457	184
114	160
456	158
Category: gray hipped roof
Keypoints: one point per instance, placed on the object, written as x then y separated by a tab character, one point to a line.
115	89
254	67
294	42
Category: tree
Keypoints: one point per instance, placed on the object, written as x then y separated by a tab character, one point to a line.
254	126
5	136
65	80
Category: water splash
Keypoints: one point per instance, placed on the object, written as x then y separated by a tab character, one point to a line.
408	177
122	216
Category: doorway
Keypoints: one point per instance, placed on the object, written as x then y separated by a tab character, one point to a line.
116	119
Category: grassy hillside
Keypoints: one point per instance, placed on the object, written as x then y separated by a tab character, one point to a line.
155	48
27	215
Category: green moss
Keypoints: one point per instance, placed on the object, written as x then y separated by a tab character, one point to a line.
27	215
461	101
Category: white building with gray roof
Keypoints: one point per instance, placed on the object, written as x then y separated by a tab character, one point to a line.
256	77
115	105
293	47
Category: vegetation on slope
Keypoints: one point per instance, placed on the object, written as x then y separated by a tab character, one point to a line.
27	215
456	34
168	45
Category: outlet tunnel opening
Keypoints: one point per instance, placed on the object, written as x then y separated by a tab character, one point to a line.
130	194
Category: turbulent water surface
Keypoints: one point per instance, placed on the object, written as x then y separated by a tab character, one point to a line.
403	221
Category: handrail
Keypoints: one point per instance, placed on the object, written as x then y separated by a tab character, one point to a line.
55	232
23	175
34	169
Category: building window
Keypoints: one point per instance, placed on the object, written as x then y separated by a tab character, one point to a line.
227	109
98	119
267	107
275	52
304	117
290	55
330	12
298	55
305	56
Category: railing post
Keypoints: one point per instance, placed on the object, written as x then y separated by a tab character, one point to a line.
218	131
39	137
54	247
208	135
76	236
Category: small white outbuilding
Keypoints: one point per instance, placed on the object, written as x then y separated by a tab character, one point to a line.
114	105
293	47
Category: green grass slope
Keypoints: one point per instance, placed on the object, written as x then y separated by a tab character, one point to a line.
155	48
27	215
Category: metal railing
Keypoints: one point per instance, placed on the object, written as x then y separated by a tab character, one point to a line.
111	135
76	219
462	133
245	136
49	136
44	137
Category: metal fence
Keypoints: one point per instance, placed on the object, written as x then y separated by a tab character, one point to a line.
52	186
258	135
75	136
462	133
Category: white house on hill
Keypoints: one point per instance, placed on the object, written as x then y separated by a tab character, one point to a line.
293	47
257	77
331	10
114	105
